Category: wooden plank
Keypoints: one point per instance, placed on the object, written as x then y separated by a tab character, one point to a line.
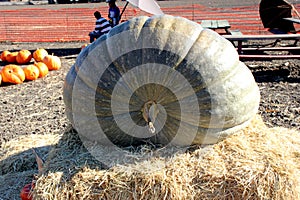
268	57
270	48
223	24
206	23
235	32
214	24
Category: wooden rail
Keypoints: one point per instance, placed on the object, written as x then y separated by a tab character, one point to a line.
261	37
293	50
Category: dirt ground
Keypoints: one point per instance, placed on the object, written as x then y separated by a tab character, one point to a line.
36	107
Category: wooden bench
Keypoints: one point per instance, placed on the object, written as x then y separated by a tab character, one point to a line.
216	25
242	49
235	32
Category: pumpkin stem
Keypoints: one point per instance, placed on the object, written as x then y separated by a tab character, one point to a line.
150	112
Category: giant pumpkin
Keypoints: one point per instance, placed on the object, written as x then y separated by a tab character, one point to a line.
162	79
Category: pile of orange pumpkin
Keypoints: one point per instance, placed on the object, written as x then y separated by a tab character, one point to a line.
20	68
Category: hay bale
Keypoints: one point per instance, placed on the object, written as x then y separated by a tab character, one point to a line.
16	155
17	162
256	163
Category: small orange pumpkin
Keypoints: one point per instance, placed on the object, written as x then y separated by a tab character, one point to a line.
39	54
31	72
4	54
12	74
43	69
26	191
12	57
84	45
52	62
24	56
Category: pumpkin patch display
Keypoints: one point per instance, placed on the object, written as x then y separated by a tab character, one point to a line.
12	57
39	54
31	72
52	62
24	56
4	55
12	74
43	69
172	82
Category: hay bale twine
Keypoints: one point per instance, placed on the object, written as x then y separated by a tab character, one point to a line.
162	79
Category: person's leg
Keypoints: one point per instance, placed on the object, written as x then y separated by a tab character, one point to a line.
92	36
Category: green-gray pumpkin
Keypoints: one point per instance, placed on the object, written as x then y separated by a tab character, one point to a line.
163	80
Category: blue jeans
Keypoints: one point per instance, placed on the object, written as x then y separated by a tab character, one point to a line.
94	35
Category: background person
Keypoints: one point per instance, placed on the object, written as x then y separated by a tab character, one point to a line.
113	13
102	27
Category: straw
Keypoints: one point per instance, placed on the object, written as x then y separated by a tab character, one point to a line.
256	163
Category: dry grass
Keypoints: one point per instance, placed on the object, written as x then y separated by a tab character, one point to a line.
256	163
17	162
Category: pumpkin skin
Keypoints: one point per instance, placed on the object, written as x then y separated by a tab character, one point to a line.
4	55
39	54
0	78
25	192
12	57
52	62
31	72
24	56
194	74
12	74
43	69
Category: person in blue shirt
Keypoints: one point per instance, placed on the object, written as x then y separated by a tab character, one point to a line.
113	13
